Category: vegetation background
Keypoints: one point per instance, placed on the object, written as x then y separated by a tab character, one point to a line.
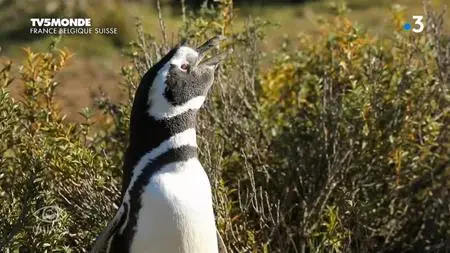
326	131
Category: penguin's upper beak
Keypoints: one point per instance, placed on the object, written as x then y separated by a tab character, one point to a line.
203	49
209	44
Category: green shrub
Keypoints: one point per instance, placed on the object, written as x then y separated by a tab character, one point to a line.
46	162
339	143
363	141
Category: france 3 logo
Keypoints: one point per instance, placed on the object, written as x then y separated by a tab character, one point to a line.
418	25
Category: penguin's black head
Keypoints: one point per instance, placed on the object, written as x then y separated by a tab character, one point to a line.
180	81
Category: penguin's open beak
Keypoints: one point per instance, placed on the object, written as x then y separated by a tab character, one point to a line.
209	44
203	49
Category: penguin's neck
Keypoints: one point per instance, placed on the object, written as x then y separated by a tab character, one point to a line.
149	134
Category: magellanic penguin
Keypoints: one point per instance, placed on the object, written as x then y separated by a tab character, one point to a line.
166	195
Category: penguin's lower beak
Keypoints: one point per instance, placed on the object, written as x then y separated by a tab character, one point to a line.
203	49
215	60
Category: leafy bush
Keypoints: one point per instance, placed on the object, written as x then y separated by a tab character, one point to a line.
340	145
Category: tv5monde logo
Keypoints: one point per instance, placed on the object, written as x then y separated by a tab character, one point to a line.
68	26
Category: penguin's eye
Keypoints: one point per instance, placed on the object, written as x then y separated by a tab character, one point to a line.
184	67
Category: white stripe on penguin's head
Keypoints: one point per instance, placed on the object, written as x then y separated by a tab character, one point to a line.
184	55
160	106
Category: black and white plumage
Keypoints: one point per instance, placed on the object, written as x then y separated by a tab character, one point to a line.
166	195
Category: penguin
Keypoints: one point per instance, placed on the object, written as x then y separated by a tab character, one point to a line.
166	195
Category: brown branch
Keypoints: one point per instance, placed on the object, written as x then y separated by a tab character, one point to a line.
161	24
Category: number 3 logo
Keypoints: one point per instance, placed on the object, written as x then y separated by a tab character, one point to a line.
419	23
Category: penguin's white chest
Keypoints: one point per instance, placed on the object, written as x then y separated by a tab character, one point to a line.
176	214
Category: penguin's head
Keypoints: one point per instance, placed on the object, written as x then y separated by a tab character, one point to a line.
180	80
